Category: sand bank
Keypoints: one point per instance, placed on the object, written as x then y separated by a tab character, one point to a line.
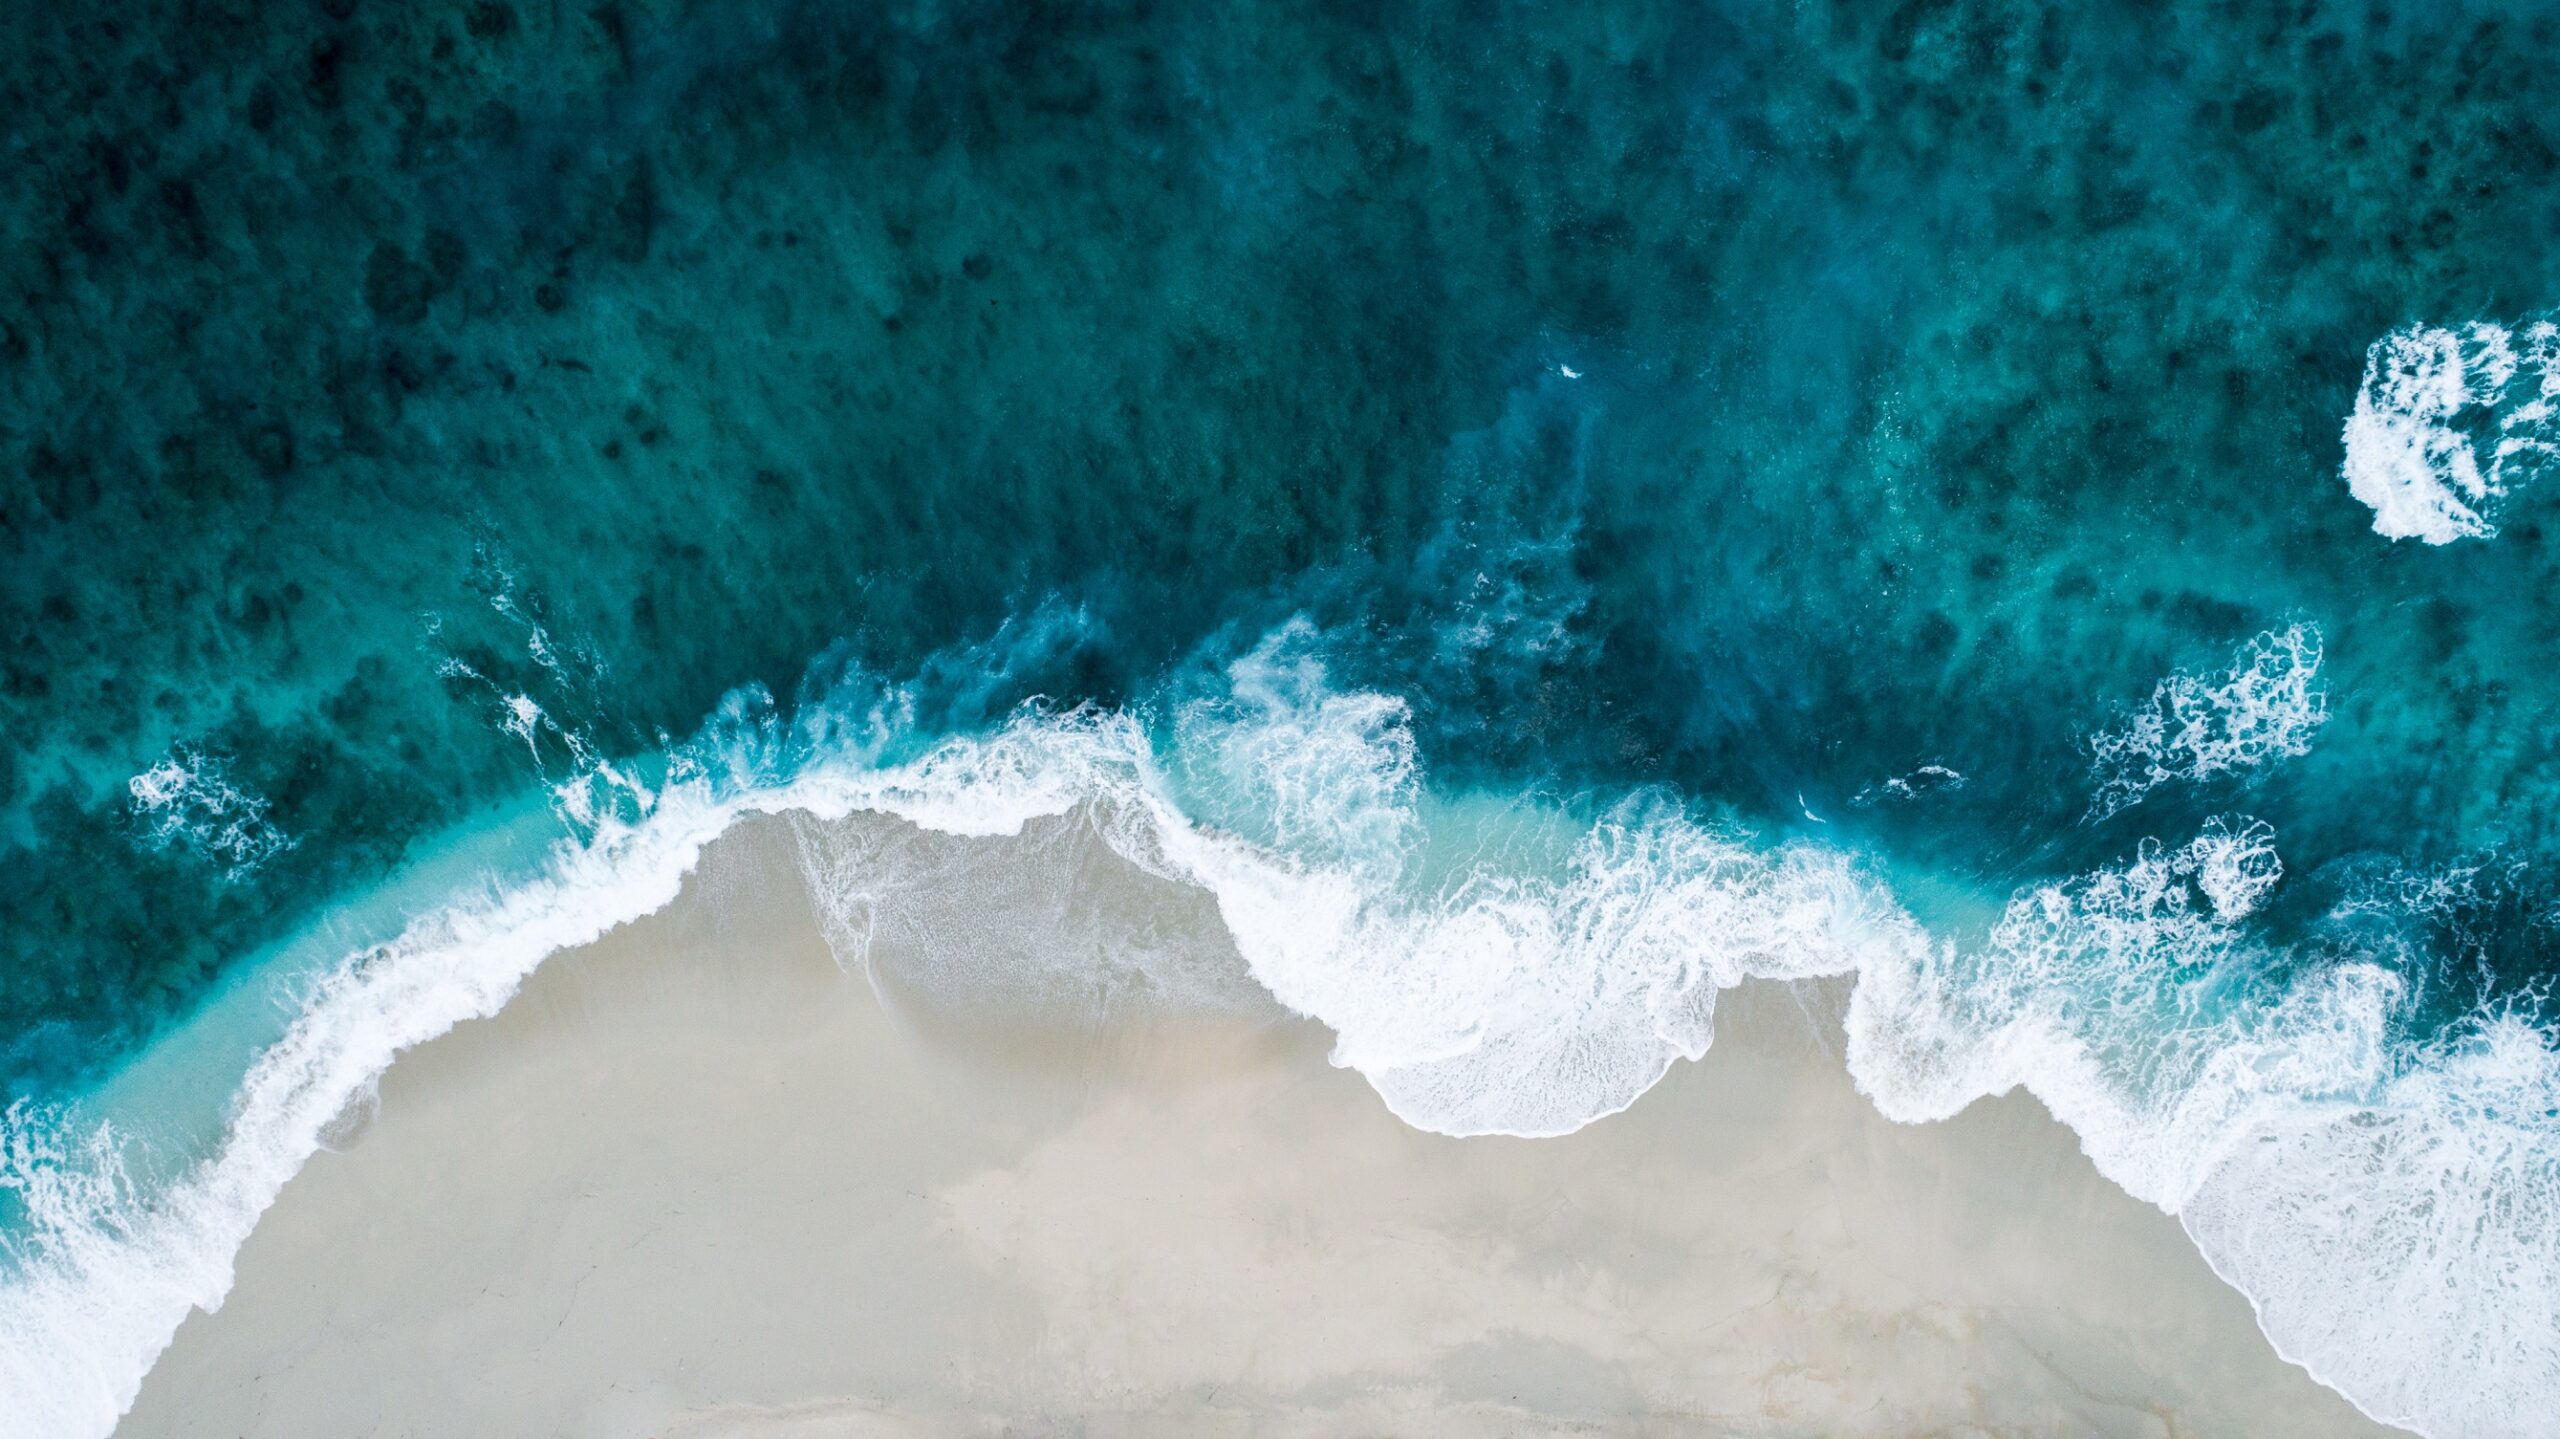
699	1179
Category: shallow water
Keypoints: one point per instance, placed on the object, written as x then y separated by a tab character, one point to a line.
1927	490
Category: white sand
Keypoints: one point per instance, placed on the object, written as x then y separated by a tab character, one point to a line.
698	1180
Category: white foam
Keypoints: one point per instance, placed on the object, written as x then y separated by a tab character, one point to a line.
1926	780
2448	422
2407	1250
1491	967
2233	868
2393	1216
2266	706
188	800
2131	1002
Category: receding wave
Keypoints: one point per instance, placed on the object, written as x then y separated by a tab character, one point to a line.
1496	963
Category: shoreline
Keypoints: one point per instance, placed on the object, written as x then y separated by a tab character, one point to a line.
697	1179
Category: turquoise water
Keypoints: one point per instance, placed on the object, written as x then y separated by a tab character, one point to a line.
1916	432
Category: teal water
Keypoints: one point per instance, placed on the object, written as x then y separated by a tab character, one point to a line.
404	409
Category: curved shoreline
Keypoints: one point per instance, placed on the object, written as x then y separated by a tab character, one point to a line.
1572	951
695	1176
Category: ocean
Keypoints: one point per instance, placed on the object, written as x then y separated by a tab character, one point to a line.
1544	512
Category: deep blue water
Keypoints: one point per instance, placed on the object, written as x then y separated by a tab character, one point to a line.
403	408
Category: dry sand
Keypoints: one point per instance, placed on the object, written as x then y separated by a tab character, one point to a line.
700	1180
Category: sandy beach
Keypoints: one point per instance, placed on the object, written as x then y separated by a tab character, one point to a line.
701	1179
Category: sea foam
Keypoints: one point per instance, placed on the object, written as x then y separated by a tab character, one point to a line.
2407	1251
2264	707
1509	964
189	801
2449	422
2388	1209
